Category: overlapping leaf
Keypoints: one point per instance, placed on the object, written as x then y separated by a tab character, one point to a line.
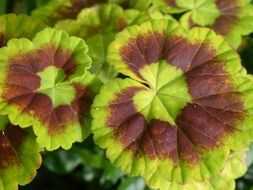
57	10
44	83
19	156
21	26
187	107
99	25
232	19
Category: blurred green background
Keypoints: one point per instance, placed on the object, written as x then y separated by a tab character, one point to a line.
84	166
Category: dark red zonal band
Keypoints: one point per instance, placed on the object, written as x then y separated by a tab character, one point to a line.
215	111
10	142
229	16
22	82
177	51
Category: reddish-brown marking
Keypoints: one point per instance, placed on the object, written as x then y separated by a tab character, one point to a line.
1	40
209	85
201	125
22	82
38	60
207	126
178	51
229	16
142	51
121	23
158	139
208	79
171	3
122	107
10	142
55	118
83	100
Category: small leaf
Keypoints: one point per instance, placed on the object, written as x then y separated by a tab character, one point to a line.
45	84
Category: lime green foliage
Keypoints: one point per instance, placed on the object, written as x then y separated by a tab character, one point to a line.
163	93
19	158
51	85
48	81
59	87
168	94
21	26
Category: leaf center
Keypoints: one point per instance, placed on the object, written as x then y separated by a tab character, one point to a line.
53	84
167	95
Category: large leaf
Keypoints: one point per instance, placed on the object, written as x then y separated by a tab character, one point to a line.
44	83
187	107
19	156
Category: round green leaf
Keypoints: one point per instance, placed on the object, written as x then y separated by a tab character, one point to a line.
186	109
45	83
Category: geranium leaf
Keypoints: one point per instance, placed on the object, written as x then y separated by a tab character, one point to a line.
186	108
99	25
57	10
235	20
21	26
44	83
19	156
